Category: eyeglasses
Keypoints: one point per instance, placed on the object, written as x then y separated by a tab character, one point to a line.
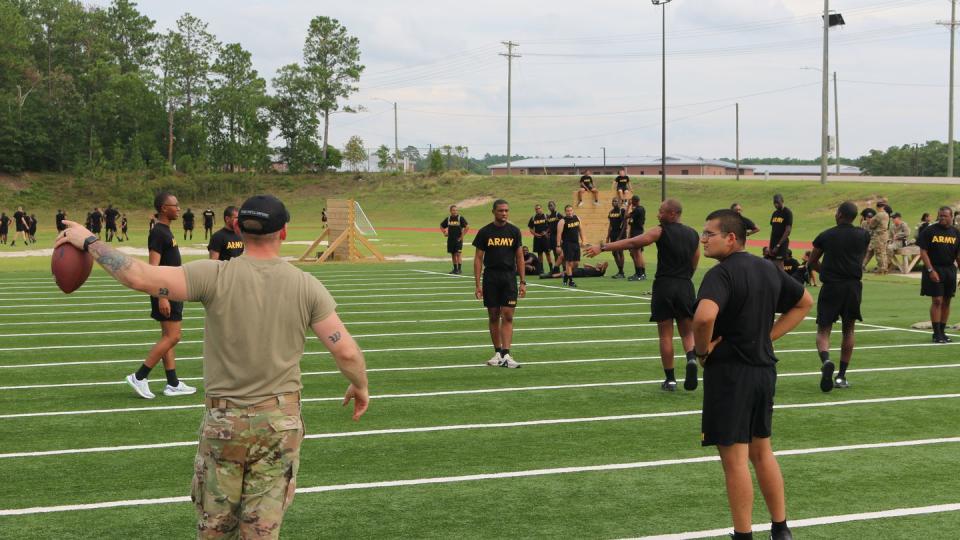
708	234
173	205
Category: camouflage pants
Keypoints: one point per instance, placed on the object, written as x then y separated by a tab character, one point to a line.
878	243
245	472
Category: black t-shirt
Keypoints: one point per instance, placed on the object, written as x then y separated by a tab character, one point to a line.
941	244
749	291
790	265
779	221
638	217
748	223
96	218
844	248
623	182
616	218
571	230
162	241
675	250
552	219
4	222
586	181
532	260
123	224
188	220
499	246
110	215
227	243
32	224
538	223
454	226
208	216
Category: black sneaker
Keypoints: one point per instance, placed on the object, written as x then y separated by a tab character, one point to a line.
841	382
668	386
618	275
454	271
945	339
690	381
783	534
571	284
642	277
635	277
937	339
826	376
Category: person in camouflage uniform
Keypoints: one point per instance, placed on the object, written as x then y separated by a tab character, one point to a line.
880	237
248	455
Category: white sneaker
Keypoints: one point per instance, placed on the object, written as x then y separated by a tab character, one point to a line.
140	387
495	361
508	362
180	389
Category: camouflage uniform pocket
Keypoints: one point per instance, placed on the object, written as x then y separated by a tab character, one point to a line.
291	427
221	429
196	486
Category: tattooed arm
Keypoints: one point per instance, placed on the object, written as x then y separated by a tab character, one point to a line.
160	281
349	358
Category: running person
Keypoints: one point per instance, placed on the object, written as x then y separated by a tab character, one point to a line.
940	251
673	299
208	216
61	215
553	218
616	230
747	222
540	229
586	184
20	224
781	224
734	331
454	228
188	224
226	243
637	215
569	238
123	228
498	262
623	184
163	251
842	248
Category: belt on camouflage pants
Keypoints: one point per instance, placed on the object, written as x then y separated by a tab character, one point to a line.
270	403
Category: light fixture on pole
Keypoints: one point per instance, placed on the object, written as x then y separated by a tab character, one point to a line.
829	20
396	145
663	101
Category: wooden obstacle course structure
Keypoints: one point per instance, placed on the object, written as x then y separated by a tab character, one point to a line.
343	237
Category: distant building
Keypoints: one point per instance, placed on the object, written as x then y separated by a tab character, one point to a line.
805	170
677	165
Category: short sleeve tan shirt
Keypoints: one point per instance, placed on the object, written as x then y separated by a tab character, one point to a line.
257	315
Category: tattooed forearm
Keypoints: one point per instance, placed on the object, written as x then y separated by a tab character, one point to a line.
335	337
114	262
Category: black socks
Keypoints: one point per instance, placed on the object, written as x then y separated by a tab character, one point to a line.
504	352
742	535
691	356
172	379
824	356
670	375
843	370
143	372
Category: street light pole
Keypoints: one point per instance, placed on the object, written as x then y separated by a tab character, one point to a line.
604	157
663	101
396	139
825	117
836	120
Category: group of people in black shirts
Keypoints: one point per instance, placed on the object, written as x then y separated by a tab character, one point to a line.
25	227
110	223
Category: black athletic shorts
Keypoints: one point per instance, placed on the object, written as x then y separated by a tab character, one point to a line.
947	286
633	233
672	299
571	251
779	254
541	244
839	300
111	227
499	289
737	403
454	245
95	229
176	310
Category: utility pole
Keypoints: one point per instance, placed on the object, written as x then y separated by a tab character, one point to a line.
738	141
663	99
825	117
836	119
396	144
510	56
604	157
953	29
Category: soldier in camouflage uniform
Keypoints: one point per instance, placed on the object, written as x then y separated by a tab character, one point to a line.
880	237
258	309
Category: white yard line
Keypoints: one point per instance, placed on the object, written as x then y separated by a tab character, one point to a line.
586	291
481	477
810	522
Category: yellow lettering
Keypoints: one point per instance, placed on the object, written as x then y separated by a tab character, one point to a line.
940	239
500	242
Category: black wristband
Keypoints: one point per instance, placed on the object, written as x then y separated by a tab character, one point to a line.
89	240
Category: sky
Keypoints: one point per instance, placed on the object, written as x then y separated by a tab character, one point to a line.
588	75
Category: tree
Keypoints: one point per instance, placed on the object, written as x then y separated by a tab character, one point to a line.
354	153
332	62
237	115
384	159
293	112
131	37
436	163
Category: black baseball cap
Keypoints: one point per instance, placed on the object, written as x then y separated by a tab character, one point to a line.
262	214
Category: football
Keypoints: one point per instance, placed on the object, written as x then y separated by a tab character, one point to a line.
71	267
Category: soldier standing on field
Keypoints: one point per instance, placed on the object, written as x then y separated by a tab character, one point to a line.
880	236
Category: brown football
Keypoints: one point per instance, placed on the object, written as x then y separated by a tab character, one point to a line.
71	267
